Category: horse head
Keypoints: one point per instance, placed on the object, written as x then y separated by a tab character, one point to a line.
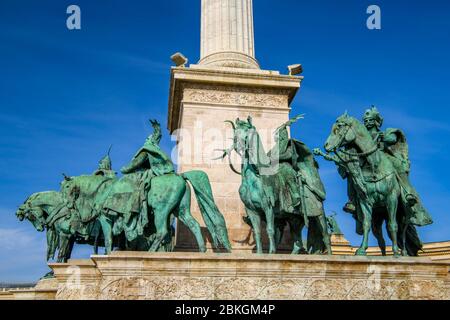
20	213
243	131
342	133
247	143
33	213
349	132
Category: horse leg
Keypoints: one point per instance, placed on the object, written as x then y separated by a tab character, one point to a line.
377	230
96	244
70	247
185	216
162	225
392	204
161	212
279	231
270	226
256	226
52	243
63	247
296	225
367	222
106	224
96	236
325	235
404	231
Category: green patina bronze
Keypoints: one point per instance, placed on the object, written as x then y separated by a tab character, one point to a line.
376	165
132	212
333	225
280	187
137	211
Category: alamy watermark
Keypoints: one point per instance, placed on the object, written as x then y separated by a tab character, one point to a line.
73	21
374	20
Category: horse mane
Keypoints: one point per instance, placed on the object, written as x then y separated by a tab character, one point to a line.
355	123
39	198
256	151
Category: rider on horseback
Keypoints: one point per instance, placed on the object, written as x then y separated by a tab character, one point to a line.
150	156
300	158
305	187
283	152
129	195
393	143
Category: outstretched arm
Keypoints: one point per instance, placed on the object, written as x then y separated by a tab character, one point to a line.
156	136
342	169
327	156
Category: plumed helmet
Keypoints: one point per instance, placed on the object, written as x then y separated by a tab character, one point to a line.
373	113
105	162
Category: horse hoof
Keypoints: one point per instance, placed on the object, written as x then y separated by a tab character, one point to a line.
361	252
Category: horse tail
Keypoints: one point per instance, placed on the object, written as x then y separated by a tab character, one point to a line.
213	218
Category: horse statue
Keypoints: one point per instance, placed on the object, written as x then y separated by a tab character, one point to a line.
63	232
134	212
149	192
168	194
374	183
50	212
280	192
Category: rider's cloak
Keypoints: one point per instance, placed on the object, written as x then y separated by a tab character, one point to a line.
157	160
399	156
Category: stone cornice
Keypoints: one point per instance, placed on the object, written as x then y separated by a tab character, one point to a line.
238	78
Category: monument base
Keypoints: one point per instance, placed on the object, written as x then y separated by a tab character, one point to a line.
135	275
45	289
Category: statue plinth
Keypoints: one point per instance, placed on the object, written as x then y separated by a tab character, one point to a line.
201	99
136	275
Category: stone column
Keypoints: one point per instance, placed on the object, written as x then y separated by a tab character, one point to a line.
227	38
226	84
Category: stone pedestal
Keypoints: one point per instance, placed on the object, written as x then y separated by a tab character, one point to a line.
201	99
133	275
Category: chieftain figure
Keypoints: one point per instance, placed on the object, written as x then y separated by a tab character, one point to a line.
105	167
393	143
305	189
280	187
376	166
150	156
128	196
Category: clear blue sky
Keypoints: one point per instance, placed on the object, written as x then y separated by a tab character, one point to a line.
65	96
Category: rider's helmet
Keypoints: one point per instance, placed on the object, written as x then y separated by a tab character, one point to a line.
372	118
105	163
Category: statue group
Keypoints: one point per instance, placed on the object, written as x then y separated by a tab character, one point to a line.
133	212
281	187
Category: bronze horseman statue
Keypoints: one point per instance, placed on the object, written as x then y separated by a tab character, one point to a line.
132	212
280	187
376	165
